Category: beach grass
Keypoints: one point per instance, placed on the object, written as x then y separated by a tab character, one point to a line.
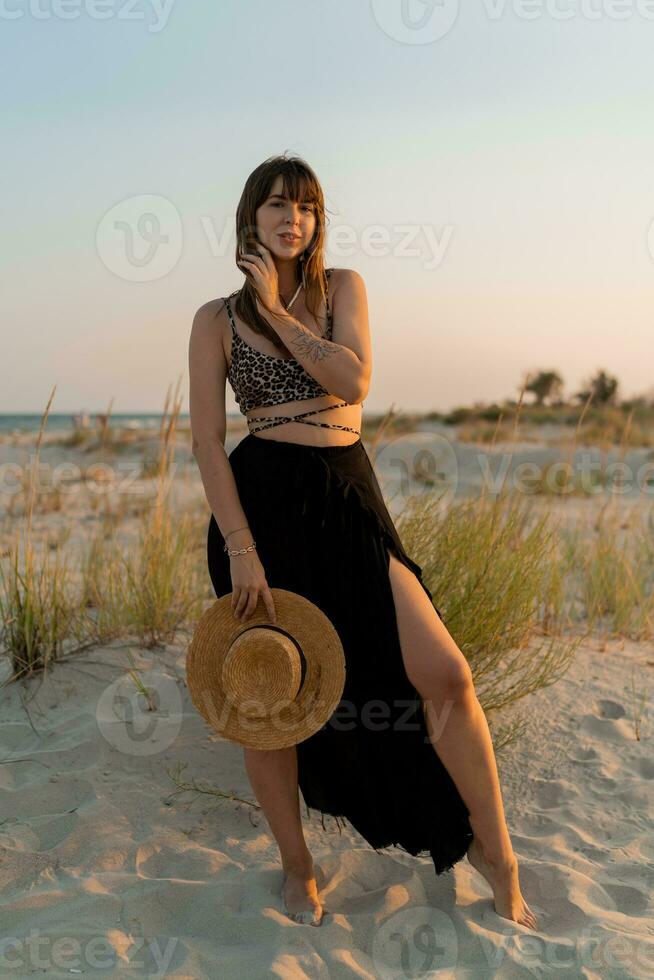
519	589
148	586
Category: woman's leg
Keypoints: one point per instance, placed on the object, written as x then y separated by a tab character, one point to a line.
460	735
273	776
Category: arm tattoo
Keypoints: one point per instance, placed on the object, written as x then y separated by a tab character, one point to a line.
316	348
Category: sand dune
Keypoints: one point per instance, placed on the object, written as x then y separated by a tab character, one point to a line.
103	872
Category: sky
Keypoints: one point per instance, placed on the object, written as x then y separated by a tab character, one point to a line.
487	169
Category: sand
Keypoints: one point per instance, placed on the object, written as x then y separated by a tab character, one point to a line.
116	875
106	870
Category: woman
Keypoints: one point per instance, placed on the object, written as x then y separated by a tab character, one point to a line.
297	506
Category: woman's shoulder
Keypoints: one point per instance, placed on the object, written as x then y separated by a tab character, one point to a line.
342	278
214	308
339	276
337	272
213	317
211	322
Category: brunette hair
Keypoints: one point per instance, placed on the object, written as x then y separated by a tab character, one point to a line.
299	183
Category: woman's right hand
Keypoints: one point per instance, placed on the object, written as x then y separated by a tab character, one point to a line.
248	581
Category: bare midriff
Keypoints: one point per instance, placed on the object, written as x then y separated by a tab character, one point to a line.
302	432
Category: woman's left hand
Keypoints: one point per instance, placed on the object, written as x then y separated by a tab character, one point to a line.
263	275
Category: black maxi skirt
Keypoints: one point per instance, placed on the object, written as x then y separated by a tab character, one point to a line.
323	530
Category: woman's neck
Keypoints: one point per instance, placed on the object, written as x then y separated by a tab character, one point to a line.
288	277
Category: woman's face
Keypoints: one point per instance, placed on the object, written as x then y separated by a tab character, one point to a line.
277	215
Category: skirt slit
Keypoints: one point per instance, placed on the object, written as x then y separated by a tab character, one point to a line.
323	530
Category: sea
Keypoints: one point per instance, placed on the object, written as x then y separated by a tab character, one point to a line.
28	422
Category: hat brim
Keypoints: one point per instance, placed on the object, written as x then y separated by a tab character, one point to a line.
289	722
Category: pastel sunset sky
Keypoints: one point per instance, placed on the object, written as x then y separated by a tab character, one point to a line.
488	170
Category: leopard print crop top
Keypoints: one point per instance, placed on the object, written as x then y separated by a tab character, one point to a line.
260	380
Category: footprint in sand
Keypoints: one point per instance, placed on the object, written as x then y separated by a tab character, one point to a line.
583	754
610	709
645	768
629	900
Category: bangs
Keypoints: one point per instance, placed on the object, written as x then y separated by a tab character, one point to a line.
299	187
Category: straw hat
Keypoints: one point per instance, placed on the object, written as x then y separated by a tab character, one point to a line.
266	685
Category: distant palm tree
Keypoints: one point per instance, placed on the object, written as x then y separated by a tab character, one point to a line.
603	386
546	385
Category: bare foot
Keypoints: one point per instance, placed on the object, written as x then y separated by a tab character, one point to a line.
300	895
503	879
